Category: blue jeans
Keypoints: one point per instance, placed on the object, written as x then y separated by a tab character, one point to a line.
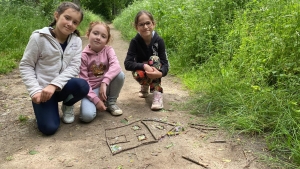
47	113
88	109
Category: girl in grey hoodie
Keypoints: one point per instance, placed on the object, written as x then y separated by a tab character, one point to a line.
49	66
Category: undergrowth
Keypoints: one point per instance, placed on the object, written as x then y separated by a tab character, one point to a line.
240	59
19	20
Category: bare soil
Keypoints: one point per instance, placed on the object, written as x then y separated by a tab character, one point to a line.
80	145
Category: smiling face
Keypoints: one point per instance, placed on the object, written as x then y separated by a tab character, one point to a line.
145	26
98	37
67	22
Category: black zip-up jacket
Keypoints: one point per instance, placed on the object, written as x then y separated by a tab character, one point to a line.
139	52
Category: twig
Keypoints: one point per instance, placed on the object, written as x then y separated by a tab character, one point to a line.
200	128
173	157
196	162
136	154
123	125
147	166
149	130
108	144
150	142
245	155
111	138
248	165
203	125
160	122
218	141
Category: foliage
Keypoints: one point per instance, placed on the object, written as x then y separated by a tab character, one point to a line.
240	56
19	20
107	9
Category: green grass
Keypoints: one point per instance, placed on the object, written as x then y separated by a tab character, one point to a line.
18	21
239	59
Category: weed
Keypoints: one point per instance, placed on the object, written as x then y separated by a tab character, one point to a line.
23	118
240	59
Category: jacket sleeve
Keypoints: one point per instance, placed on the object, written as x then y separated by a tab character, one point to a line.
114	67
130	62
71	68
92	96
162	54
27	66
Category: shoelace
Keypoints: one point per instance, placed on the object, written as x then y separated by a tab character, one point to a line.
115	107
68	110
156	99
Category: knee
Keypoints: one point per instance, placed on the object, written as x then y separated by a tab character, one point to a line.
83	87
87	117
120	77
48	129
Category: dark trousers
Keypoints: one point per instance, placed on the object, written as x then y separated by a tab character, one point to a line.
47	113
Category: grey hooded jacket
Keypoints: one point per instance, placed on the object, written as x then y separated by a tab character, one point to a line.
44	61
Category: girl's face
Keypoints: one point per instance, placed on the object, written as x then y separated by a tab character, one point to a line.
98	37
145	26
67	22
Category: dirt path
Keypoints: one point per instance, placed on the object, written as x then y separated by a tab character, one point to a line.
80	145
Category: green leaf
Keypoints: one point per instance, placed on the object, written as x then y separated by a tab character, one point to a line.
33	152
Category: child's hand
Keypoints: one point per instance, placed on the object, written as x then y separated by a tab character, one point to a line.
100	106
47	93
147	68
36	98
154	74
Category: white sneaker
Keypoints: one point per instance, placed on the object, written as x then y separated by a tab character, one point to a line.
68	114
144	92
157	103
114	110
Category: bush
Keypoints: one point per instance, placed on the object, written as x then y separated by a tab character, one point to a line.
241	56
19	20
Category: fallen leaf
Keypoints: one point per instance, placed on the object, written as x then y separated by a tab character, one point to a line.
226	160
33	152
169	145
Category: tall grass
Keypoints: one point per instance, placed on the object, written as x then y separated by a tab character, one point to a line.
241	57
19	20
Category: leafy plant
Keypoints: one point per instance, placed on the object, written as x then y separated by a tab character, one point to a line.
240	58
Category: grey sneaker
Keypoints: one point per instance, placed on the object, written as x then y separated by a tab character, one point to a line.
157	103
144	92
114	110
68	114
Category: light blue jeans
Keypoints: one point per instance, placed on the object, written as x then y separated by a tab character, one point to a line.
88	109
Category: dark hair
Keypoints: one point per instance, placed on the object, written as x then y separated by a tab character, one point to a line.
61	9
92	24
136	19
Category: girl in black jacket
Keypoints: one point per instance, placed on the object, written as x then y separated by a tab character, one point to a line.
147	58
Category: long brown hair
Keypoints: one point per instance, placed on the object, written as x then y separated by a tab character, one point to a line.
61	9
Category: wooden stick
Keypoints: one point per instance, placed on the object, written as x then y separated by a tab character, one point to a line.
196	162
149	130
193	124
150	142
248	165
160	122
123	125
218	141
200	128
